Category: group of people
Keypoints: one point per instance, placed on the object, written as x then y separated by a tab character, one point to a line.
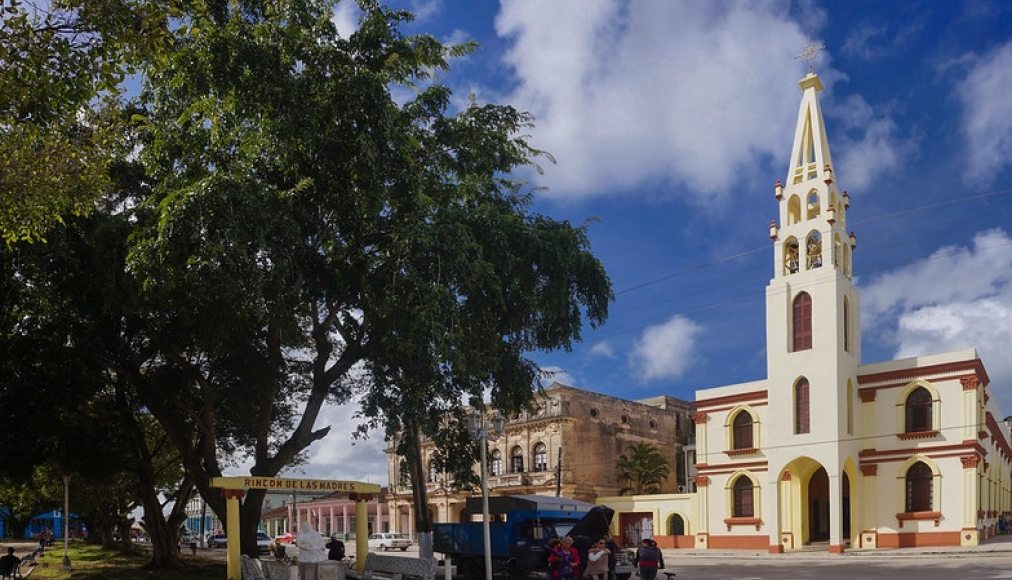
564	560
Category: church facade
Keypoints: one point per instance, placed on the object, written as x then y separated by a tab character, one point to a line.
826	450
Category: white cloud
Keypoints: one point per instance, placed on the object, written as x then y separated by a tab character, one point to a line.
627	94
603	349
874	41
339	455
554	374
877	150
346	18
956	298
426	9
986	122
665	350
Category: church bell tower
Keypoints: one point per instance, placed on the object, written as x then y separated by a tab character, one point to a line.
812	306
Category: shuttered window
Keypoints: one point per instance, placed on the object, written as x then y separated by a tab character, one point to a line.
742	431
743	504
918	410
801	405
919	479
803	322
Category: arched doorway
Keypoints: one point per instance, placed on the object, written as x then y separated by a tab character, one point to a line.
818	506
676	525
845	511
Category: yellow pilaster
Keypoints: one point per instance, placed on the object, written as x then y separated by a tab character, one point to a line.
970	536
786	538
361	530
232	497
869	519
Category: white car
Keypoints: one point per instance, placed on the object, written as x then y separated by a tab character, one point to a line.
263	542
387	541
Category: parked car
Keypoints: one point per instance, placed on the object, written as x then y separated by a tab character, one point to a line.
387	541
217	541
287	538
263	542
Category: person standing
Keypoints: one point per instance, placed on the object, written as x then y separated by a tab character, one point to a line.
649	559
563	559
609	543
597	561
335	549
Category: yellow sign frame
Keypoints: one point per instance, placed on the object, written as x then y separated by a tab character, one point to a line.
233	488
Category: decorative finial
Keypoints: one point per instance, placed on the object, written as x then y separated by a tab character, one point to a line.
811	52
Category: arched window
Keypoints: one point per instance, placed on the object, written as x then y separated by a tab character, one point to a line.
801	405
919	480
496	464
846	324
540	457
517	460
918	410
813	205
850	407
676	525
802	322
743	504
813	250
793	210
433	472
791	253
742	431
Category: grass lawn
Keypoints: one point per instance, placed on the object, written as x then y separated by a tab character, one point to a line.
92	563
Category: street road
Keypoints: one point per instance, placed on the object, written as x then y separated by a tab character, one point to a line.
921	567
814	566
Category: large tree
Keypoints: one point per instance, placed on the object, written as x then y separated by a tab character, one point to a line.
311	239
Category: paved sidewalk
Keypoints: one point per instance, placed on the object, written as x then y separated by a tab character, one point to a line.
997	544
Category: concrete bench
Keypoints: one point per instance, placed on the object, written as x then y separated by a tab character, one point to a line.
397	567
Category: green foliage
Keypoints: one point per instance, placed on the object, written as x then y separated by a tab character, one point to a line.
643	468
63	63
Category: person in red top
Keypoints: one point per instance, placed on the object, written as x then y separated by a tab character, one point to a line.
563	559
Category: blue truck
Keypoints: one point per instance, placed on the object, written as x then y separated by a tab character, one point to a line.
521	527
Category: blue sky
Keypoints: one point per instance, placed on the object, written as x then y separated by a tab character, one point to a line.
670	122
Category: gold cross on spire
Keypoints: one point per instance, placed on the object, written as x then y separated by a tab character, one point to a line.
811	52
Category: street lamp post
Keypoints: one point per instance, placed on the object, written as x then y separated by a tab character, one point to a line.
66	522
481	431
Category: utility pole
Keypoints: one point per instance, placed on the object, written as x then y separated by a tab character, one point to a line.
558	474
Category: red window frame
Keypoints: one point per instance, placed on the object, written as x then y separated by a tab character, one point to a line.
919	483
802	321
802	416
742	431
918	411
744	506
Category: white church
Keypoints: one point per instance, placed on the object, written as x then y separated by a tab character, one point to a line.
827	451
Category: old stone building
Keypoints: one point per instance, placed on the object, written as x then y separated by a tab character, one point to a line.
569	443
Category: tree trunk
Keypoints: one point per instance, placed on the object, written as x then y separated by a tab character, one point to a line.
249	521
164	539
413	457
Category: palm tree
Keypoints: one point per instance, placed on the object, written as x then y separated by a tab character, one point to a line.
643	468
